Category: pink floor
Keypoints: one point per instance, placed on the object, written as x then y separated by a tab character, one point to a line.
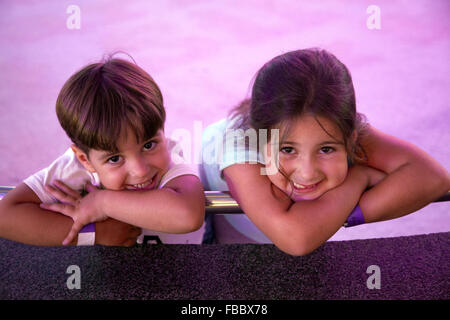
203	54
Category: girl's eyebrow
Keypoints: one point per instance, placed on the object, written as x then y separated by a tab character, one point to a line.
320	144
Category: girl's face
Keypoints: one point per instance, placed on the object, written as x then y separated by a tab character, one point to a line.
137	165
312	161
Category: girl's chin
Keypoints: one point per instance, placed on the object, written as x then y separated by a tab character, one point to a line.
306	196
296	198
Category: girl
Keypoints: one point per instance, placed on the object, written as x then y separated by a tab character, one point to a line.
326	153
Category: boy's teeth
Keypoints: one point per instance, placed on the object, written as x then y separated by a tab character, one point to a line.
142	185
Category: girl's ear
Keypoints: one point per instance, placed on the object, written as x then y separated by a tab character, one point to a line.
354	137
83	158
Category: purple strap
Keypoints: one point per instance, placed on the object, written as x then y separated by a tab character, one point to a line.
355	218
90	227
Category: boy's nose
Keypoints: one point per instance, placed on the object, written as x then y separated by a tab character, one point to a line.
139	168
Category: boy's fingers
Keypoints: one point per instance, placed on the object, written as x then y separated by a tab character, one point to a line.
57	207
69	191
72	233
135	232
60	195
89	187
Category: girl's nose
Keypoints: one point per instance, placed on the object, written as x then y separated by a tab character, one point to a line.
306	171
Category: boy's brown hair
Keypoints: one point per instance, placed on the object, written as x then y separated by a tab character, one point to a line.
101	100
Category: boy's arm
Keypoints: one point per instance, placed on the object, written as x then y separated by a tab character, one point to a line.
414	179
178	207
295	228
22	220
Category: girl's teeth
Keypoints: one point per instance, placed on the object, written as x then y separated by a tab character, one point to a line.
299	186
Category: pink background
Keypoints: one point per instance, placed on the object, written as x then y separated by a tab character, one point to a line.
203	55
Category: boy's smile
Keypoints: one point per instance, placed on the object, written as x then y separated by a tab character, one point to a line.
311	161
138	165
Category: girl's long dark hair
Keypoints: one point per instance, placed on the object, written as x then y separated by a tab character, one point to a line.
310	81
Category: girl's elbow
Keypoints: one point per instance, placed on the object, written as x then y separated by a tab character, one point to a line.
193	219
295	247
442	183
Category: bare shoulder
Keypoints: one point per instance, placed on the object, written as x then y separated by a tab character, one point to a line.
386	152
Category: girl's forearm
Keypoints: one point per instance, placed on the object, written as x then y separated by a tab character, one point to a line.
405	190
160	210
320	219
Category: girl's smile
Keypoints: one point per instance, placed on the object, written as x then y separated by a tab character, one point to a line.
312	158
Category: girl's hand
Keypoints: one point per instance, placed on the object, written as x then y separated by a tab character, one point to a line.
375	176
82	210
367	175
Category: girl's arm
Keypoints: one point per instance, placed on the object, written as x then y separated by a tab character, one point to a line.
296	228
414	179
22	220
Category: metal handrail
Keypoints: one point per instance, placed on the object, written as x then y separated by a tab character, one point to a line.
219	201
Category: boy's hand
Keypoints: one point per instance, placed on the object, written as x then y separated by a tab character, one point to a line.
81	210
111	232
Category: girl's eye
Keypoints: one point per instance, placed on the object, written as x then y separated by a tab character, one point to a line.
326	149
113	159
149	145
287	150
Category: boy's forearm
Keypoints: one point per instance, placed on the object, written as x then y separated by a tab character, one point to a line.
406	190
160	210
28	223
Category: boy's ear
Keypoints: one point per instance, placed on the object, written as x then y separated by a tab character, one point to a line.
83	158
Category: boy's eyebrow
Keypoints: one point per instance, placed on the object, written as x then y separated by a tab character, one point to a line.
108	154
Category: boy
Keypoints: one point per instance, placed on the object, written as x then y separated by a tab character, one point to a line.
113	112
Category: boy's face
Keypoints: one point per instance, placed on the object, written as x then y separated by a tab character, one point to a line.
137	166
311	160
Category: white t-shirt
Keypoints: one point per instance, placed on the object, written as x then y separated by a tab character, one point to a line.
69	170
229	228
223	146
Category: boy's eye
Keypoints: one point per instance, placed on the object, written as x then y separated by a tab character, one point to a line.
287	150
326	149
113	159
149	145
